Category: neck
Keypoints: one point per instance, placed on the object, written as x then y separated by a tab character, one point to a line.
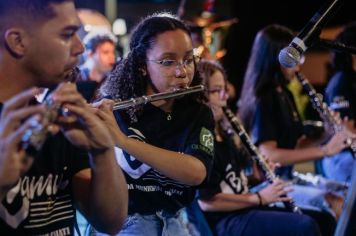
94	72
13	79
166	105
96	75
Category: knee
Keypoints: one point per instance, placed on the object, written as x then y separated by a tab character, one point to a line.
307	226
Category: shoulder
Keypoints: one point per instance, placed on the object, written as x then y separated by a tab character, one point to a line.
336	82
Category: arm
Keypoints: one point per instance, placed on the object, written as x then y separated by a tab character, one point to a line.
13	160
102	189
228	202
178	166
293	156
100	193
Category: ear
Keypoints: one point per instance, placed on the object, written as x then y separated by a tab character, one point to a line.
14	41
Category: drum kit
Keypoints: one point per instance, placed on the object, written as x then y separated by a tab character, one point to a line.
209	31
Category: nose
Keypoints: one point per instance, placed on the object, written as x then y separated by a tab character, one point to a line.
78	47
181	71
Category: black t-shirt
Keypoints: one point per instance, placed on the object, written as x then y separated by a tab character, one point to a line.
227	175
340	94
188	129
41	203
276	119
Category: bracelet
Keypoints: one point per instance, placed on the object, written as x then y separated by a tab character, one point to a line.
259	198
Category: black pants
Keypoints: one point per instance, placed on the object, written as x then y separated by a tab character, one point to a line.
264	221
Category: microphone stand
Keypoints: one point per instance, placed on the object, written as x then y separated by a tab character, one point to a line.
325	43
345	226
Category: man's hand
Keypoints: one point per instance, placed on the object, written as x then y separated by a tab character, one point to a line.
13	124
82	126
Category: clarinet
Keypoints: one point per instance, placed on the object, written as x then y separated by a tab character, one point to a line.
256	155
323	110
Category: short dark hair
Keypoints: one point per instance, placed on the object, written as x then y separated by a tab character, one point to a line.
23	11
93	43
32	8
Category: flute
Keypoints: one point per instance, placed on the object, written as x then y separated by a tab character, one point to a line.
323	110
256	155
155	97
36	135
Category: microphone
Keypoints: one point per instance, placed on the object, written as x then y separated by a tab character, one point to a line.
290	56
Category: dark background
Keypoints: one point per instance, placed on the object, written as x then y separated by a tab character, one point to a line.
252	15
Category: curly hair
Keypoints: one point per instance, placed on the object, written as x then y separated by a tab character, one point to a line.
128	78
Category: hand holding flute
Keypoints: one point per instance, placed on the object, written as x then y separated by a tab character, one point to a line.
66	108
13	124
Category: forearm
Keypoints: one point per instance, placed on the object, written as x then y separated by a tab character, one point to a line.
178	166
105	200
293	156
224	202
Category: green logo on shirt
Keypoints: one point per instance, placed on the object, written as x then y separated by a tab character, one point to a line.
206	139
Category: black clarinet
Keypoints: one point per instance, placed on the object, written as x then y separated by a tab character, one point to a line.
323	110
256	155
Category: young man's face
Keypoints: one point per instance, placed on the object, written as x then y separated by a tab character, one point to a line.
104	57
53	46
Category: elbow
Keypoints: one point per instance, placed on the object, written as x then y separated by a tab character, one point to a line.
113	226
198	176
112	230
206	205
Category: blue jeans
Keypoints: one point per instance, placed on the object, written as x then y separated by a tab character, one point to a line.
339	166
162	223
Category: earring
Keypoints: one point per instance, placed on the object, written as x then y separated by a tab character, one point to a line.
143	72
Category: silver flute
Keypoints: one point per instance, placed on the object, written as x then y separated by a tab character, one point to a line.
155	97
324	111
255	154
35	136
39	131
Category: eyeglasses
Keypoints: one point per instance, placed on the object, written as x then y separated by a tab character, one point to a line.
168	63
221	91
